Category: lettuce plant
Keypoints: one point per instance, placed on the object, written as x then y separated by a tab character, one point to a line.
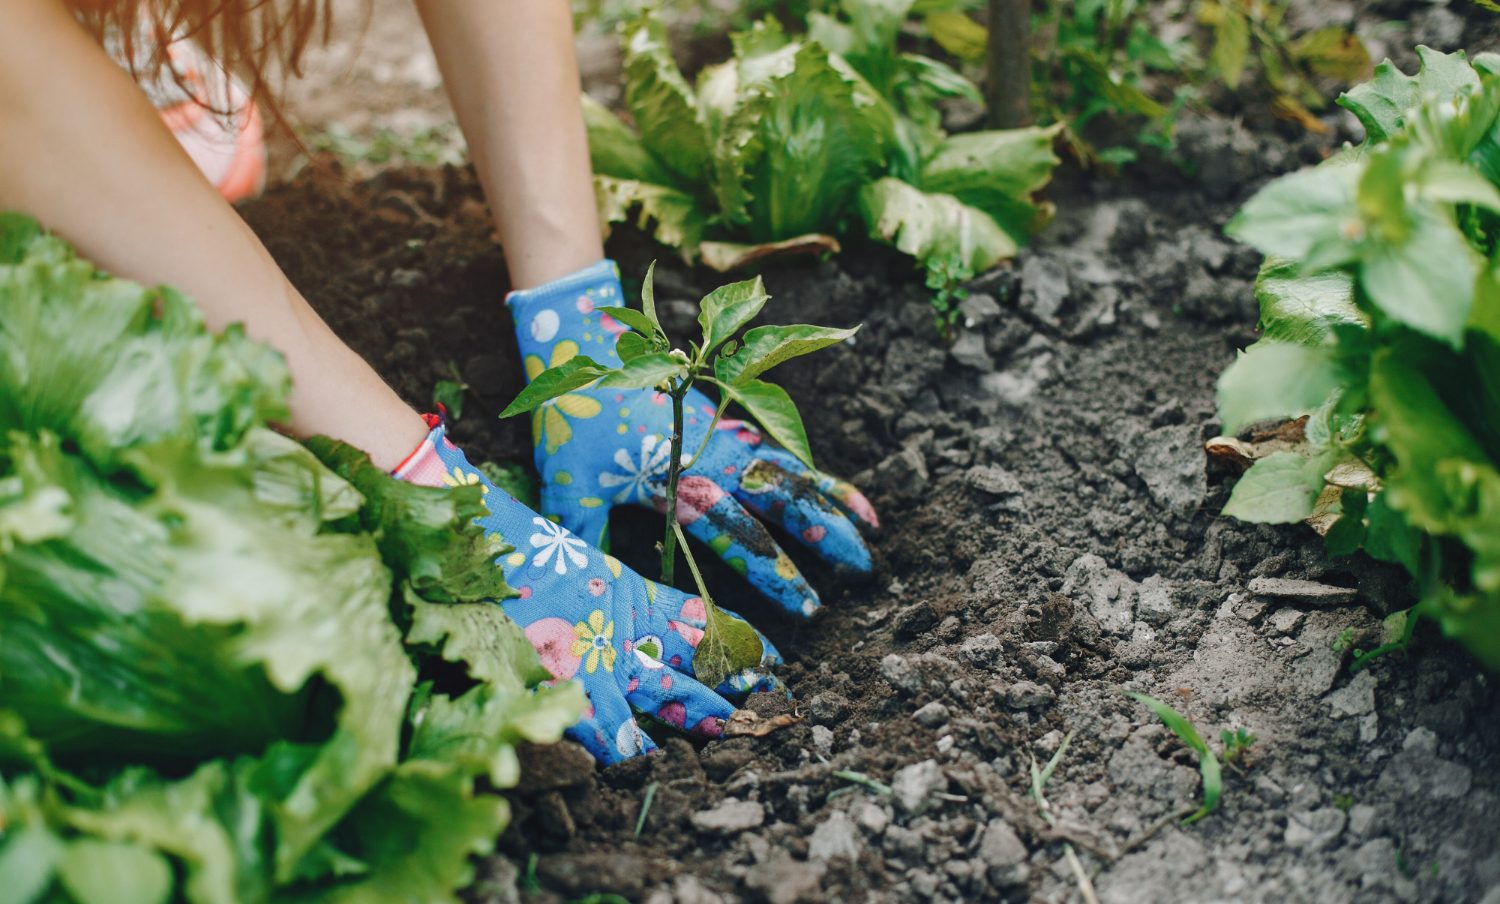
1380	308
794	142
216	644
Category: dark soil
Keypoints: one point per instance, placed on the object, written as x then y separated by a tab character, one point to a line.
1051	536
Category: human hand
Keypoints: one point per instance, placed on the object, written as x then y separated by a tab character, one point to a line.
633	644
598	448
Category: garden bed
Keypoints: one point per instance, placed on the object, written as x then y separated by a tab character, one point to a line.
1051	536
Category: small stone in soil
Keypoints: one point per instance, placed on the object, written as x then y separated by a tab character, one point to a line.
1003	855
782	880
872	817
1154	604
1310	592
1316	829
969	351
1026	695
983	651
914	785
1355	698
822	738
1171	461
932	715
993	480
1286	621
828	708
914	620
834	837
730	817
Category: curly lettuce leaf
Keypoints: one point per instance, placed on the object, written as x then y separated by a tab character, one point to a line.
934	227
662	103
803	140
997	172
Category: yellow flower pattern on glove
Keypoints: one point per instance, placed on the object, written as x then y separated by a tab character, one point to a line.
593	638
549	422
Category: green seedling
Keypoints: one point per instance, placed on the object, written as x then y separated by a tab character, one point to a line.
721	357
860	780
449	394
1208	764
646	802
1039	779
1236	745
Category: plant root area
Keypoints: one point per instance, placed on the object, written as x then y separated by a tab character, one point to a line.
1050	539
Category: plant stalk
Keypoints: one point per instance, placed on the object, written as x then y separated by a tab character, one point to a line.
674	470
1008	88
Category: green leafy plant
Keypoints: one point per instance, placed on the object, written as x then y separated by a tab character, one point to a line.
220	646
1208	763
1380	311
717	357
789	144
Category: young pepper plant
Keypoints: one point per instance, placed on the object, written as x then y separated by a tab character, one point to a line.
648	360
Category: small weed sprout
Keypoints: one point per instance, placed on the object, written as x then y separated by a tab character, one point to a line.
649	361
1208	763
1039	779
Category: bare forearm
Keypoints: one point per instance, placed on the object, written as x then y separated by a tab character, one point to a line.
84	151
511	72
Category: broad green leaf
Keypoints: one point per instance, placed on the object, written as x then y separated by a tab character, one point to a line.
1384	104
575	373
1208	764
630	346
618	152
28	858
803	140
449	395
1389	537
1276	380
767	346
1448	182
725	310
771	407
661	102
107	872
645	372
1426	282
996	172
636	320
933	226
672	217
1278	489
922	79
1231	45
1302	213
958	34
1304	308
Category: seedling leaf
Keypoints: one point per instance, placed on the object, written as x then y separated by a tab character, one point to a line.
1208	764
555	381
727	309
767	346
644	372
771	407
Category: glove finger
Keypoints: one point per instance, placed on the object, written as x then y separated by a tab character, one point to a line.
677	699
840	492
791	500
716	518
589	523
609	731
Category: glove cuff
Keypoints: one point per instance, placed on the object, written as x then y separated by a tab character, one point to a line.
558	320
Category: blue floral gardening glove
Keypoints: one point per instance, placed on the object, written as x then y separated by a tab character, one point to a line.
598	448
634	644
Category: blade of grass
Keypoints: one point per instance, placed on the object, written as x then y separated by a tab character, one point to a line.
650	798
1208	764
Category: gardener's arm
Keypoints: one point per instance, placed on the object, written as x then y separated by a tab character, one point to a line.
511	72
84	151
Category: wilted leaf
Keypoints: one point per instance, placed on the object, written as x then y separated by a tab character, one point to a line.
746	723
958	34
725	256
